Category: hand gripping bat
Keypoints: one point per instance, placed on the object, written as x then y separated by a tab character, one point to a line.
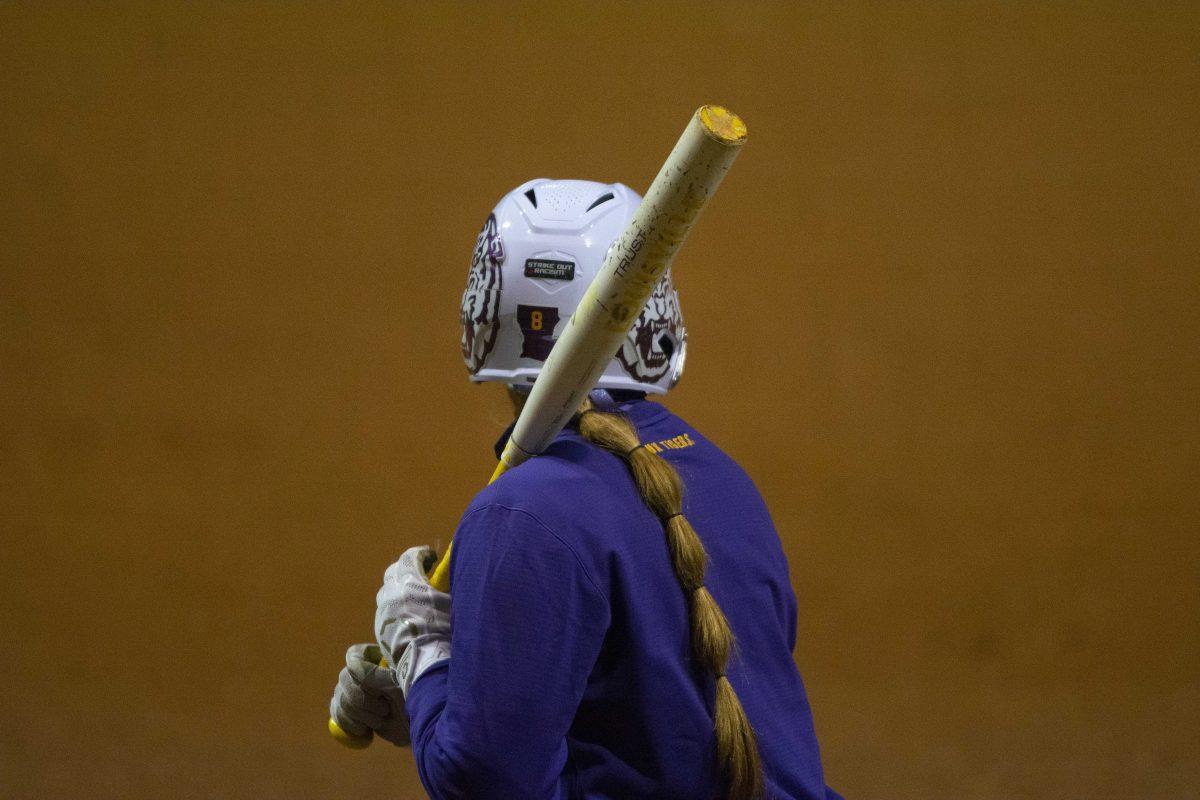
613	301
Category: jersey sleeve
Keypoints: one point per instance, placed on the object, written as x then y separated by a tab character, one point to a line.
527	623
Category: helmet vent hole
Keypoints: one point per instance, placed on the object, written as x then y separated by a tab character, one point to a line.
604	198
532	197
667	346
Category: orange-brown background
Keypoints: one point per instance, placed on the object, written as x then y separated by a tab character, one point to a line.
944	310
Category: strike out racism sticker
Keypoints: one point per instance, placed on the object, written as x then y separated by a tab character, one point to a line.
549	268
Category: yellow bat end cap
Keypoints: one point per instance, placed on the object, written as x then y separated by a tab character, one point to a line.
723	124
353	742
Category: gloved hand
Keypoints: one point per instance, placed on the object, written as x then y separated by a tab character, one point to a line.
367	698
412	619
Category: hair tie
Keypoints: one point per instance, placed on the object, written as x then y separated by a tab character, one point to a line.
720	675
670	517
633	450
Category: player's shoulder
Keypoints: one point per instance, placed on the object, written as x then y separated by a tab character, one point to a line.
574	495
570	468
576	486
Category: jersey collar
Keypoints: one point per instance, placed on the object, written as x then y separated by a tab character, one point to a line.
633	404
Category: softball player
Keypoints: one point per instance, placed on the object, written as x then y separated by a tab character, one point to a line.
588	649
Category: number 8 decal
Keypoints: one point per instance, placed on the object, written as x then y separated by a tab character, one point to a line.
537	325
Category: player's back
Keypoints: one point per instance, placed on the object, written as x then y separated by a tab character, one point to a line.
643	726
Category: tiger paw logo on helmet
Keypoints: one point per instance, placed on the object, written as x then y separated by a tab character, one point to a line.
535	258
646	352
481	300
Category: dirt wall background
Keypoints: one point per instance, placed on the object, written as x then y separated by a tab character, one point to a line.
944	310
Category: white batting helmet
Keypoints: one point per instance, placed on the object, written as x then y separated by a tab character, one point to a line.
535	257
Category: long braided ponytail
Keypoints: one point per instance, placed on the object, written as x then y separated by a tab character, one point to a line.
712	640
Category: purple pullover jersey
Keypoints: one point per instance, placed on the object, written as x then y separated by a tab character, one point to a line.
571	673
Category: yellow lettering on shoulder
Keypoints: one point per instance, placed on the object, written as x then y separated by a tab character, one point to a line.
674	443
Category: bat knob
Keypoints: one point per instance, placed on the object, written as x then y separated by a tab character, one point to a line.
353	742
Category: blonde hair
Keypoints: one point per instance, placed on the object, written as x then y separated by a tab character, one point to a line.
712	640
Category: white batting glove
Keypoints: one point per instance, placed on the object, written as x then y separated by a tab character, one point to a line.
412	619
367	699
